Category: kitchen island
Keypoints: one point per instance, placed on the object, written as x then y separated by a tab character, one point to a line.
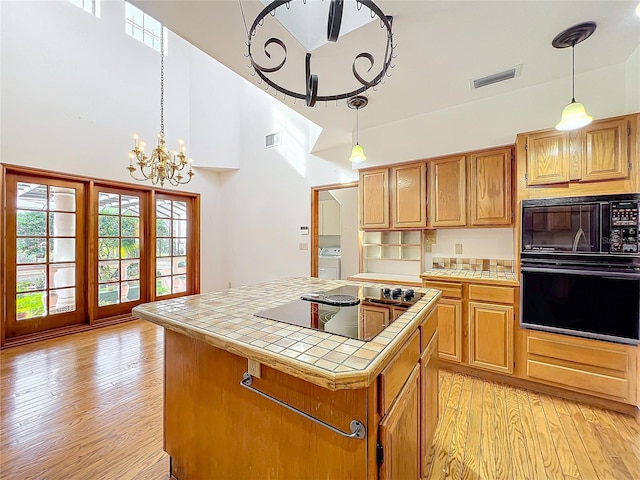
251	398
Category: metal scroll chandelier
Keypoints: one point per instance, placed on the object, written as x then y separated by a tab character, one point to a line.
310	95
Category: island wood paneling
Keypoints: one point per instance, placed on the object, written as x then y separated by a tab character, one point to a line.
89	406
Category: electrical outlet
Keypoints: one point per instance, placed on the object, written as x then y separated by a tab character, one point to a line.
428	248
303	246
458	249
254	368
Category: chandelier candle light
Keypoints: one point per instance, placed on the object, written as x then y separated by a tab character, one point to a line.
163	165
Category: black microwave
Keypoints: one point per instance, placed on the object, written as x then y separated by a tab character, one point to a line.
597	225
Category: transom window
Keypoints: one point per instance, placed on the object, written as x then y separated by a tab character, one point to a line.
91	6
143	27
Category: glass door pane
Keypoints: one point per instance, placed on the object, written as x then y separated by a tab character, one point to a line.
47	264
118	248
172	247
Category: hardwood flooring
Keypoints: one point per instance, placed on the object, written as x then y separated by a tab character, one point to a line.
89	406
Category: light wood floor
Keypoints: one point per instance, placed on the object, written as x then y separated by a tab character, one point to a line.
89	406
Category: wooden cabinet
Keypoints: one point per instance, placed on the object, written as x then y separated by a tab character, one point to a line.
491	337
547	157
398	203
490	187
447	192
598	152
373	192
429	406
374	318
603	369
450	329
400	433
605	150
399	252
409	196
329	217
476	324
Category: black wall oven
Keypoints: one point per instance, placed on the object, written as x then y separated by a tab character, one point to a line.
580	267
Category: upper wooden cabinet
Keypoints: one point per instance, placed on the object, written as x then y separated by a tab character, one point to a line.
605	150
548	158
490	187
405	196
597	152
408	195
447	193
374	199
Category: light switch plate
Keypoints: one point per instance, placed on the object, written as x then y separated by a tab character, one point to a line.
458	249
303	246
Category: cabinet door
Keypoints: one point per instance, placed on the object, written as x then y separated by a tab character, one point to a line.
374	199
490	188
491	337
374	318
605	150
548	158
329	218
429	408
409	196
399	433
447	180
450	328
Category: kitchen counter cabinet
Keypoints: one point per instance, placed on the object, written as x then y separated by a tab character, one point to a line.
216	428
447	192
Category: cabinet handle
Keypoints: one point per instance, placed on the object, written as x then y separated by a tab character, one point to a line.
358	430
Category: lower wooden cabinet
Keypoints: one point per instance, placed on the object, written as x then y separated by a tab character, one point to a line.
429	402
603	369
400	434
491	336
450	328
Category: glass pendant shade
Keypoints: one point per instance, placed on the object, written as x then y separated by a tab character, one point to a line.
574	116
357	154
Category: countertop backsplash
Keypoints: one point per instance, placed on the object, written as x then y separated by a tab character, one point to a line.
476	264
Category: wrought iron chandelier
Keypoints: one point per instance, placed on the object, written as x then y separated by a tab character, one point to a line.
310	95
163	165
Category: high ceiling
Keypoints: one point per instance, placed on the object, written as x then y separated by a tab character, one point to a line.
441	46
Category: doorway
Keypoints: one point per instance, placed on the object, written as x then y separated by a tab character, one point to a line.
334	231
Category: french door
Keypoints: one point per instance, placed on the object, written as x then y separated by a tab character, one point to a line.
45	254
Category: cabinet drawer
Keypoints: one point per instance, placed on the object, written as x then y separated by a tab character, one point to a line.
491	293
583	354
449	289
576	378
392	378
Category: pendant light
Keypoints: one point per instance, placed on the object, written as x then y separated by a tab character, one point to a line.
574	115
357	153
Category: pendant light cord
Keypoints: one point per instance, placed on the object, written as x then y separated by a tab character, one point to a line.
162	80
358	126
573	71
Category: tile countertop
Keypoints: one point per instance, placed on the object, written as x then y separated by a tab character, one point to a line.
225	320
475	276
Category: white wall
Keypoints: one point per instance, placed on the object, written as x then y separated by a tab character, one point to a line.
476	243
74	88
632	81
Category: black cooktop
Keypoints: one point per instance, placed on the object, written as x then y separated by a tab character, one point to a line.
349	311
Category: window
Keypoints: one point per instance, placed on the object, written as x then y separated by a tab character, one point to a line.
91	6
143	27
78	251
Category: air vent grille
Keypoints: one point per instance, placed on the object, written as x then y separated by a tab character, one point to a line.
272	140
496	77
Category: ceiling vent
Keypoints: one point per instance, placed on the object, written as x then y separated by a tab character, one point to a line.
272	140
496	77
